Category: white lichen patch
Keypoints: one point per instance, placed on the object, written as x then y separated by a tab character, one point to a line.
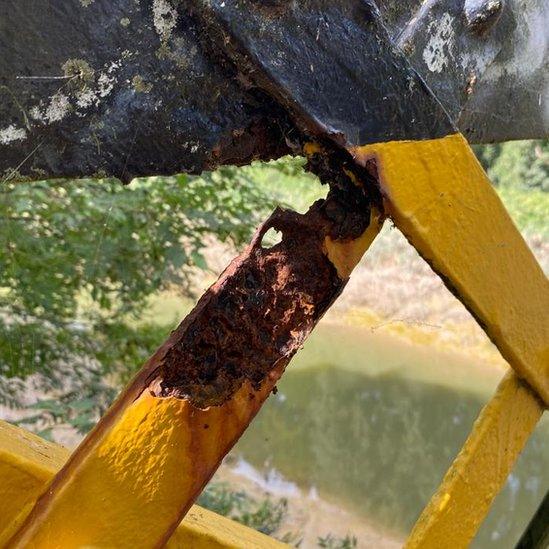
164	18
91	95
438	51
86	98
57	108
12	133
91	87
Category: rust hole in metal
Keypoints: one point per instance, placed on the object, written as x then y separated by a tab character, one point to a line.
257	315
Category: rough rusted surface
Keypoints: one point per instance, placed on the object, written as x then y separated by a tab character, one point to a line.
356	188
263	306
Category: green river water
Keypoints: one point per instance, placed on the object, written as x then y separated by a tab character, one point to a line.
372	424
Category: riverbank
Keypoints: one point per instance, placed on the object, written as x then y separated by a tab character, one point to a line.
309	517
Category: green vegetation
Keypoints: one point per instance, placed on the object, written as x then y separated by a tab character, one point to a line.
265	515
331	542
78	263
520	172
528	208
517	164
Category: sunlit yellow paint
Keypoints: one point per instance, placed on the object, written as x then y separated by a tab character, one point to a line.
27	464
440	198
133	479
206	530
455	512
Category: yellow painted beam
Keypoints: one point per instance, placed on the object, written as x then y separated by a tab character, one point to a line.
455	512
440	198
28	463
138	472
131	481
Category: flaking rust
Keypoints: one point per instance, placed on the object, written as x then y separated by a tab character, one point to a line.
197	394
264	305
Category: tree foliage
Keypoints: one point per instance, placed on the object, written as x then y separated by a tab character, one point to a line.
517	164
79	259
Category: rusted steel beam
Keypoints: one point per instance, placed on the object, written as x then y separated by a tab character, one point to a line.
432	187
386	135
128	88
136	475
381	113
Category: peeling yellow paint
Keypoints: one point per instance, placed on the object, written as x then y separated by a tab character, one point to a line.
346	255
147	460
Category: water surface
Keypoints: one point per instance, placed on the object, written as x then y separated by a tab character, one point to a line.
372	424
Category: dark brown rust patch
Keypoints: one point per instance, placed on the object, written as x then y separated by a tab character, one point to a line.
355	187
257	315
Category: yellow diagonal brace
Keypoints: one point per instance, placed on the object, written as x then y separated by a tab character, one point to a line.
28	463
461	503
440	198
138	472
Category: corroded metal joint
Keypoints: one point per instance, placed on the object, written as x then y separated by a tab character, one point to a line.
264	305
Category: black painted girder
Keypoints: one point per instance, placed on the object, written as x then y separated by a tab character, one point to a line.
136	87
122	88
332	65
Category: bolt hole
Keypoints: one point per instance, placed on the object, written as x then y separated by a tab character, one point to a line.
271	238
